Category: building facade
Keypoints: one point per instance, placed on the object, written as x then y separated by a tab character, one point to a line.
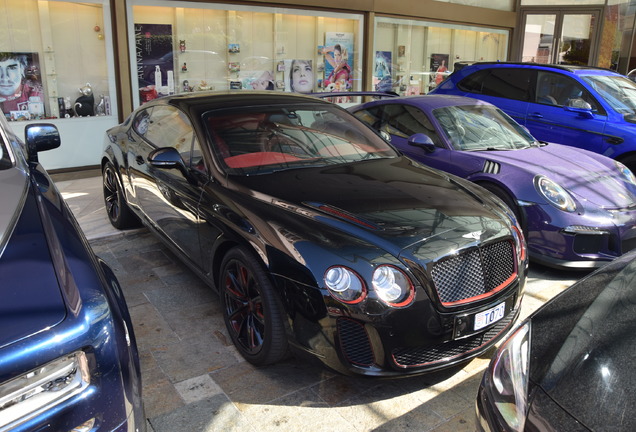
85	65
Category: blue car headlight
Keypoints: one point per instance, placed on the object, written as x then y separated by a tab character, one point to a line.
628	176
507	378
43	388
554	193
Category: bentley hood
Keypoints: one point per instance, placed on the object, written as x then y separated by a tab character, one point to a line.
395	203
31	297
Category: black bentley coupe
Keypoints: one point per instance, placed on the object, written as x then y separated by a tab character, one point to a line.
317	234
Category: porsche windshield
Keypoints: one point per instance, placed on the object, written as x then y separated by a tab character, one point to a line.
481	127
262	139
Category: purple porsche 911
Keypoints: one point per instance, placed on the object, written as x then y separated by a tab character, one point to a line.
577	208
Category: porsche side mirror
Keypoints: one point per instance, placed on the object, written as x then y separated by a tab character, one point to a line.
423	141
40	137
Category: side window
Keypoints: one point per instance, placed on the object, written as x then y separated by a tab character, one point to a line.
170	127
474	82
405	120
560	90
142	121
510	83
371	116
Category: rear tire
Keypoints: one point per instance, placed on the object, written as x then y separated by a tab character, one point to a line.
117	209
252	311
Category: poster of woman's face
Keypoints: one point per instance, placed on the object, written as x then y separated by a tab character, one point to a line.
299	76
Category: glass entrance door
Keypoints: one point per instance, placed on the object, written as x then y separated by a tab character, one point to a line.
560	37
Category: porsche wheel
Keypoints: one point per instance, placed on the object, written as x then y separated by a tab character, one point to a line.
119	214
251	310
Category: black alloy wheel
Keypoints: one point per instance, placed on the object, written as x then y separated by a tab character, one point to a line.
251	309
119	214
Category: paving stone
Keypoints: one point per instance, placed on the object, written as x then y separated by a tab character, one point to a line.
209	415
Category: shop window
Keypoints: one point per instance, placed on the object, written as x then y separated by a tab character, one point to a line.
54	59
412	57
200	47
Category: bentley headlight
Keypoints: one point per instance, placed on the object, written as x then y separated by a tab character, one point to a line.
626	173
554	193
392	286
520	243
507	378
345	285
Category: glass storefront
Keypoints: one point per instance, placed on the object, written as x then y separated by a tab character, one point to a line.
54	60
412	57
187	47
58	62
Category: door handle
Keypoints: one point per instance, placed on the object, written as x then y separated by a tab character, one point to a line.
536	115
139	160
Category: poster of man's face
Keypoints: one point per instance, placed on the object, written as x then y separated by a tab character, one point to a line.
14	68
20	84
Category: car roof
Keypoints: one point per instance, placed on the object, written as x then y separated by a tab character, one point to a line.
430	101
199	102
574	69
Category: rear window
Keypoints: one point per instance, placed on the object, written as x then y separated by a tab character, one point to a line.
510	83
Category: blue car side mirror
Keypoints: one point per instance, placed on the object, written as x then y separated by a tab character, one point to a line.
423	141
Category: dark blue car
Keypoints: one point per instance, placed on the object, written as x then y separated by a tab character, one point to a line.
580	106
68	360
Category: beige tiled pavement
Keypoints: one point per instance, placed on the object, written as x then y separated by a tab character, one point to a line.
194	380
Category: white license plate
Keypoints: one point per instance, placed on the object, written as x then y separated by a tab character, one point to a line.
485	318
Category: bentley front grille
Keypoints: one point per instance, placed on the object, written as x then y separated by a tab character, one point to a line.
429	355
475	273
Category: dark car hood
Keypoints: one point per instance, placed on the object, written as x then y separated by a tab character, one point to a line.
583	348
578	171
395	203
31	297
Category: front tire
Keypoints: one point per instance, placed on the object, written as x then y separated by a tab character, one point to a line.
117	209
251	309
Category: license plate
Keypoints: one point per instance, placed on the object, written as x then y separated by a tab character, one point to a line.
485	318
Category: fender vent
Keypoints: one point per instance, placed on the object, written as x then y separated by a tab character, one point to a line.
491	167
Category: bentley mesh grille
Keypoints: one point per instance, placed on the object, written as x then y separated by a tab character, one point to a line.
354	342
474	273
421	356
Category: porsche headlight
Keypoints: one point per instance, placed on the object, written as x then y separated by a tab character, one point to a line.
626	173
345	284
392	286
507	379
554	193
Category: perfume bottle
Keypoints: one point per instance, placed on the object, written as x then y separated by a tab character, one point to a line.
157	76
